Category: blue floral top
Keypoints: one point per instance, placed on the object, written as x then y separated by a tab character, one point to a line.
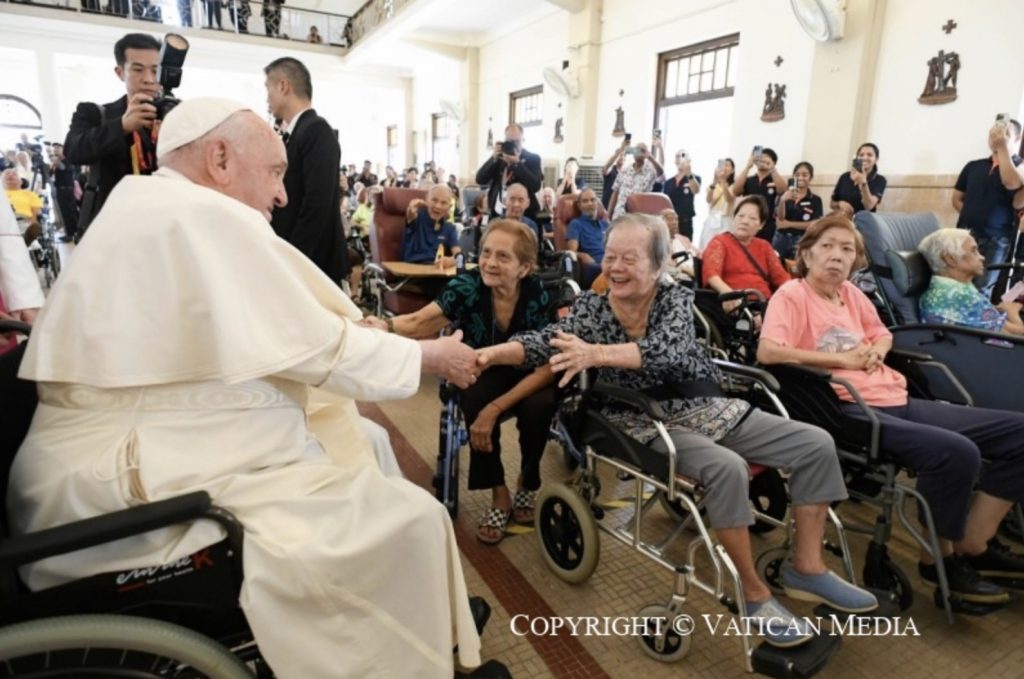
669	353
466	301
949	301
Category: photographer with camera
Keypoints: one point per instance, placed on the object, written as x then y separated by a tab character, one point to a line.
510	164
987	194
118	138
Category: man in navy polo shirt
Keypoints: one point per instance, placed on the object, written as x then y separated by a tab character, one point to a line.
766	182
680	190
585	236
427	228
986	194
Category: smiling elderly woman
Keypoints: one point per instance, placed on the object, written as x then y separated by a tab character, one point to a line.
823	320
951	296
489	305
641	335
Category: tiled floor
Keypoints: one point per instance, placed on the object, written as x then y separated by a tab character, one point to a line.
516	581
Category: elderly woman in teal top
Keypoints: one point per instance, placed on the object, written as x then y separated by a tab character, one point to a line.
489	305
951	297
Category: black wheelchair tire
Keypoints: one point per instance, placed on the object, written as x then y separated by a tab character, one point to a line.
113	646
674	646
567	532
886	575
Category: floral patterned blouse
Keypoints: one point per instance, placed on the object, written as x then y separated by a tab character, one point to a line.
949	301
669	353
467	302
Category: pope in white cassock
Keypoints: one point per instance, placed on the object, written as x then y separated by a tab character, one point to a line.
176	353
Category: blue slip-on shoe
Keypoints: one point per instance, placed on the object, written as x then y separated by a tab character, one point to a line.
827	588
777	625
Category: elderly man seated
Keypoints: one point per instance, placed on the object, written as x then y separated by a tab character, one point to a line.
585	236
196	375
951	296
429	236
517	201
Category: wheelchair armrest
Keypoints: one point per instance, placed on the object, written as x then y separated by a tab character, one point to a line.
741	294
758	374
16	327
24	549
915	356
1004	266
795	369
914	364
648	405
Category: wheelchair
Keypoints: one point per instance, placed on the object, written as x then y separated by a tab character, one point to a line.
568	519
180	619
453	432
872	476
901	275
728	335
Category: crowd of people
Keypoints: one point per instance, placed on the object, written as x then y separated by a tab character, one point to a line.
255	307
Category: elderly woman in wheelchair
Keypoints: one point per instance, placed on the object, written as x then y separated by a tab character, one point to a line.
951	297
640	335
490	304
822	320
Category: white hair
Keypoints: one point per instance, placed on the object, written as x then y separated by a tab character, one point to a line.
943	243
659	246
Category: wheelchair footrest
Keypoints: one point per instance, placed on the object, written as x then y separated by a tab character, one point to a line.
888	607
795	663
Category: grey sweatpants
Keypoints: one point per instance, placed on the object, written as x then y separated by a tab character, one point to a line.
805	452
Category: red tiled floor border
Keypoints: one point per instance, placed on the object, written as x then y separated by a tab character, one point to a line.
564	656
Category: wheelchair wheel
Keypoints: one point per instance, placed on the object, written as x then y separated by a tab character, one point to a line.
881	573
769	496
567	532
113	646
769	566
671	635
449	444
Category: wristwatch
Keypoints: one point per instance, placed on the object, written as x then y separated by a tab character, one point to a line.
390	322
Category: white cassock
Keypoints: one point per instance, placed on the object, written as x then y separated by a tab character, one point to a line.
176	354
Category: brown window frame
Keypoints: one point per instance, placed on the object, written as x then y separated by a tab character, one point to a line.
514	97
708	46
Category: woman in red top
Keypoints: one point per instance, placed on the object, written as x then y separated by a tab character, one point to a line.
735	260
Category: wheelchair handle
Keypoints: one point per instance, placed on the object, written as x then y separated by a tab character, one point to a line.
15	327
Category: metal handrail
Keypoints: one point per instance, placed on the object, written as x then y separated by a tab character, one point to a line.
242	16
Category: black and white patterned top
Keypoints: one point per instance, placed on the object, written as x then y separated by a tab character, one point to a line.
669	353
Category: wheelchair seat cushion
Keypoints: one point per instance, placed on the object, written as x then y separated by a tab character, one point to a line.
910	271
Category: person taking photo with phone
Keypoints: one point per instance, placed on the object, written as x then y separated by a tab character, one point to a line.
862	187
987	193
798	209
636	177
766	182
681	189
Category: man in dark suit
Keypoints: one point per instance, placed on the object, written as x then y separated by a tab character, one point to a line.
116	139
311	221
506	167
